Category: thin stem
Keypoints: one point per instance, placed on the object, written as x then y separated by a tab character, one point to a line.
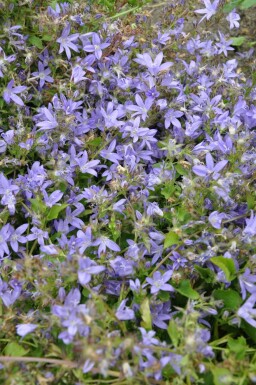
53	361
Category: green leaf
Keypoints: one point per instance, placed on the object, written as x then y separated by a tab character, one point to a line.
227	265
168	190
173	332
205	273
36	41
237	41
13	349
37	205
248	4
230	298
250	201
181	170
231	5
222	376
171	239
54	211
46	37
238	347
185	289
146	314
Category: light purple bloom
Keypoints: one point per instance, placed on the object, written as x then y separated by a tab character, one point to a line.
154	67
215	219
16	236
96	47
24	329
109	154
158	282
250	228
233	19
247	311
209	10
10	93
141	108
66	41
50	121
171	118
247	283
43	74
53	198
122	266
104	243
210	169
85	166
84	239
86	269
124	313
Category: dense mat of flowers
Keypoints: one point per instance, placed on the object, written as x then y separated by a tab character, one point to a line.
127	201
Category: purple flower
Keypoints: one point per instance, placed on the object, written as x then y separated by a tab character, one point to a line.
4	238
24	329
215	219
85	166
16	236
104	243
210	169
109	154
154	67
86	269
96	47
142	108
209	10
65	41
38	234
122	266
178	260
43	74
9	296
247	283
250	228
84	239
247	311
10	93
158	282
171	118
124	313
233	18
88	365
224	45
50	121
53	198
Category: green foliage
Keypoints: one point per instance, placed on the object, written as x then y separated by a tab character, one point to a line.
185	289
171	239
227	265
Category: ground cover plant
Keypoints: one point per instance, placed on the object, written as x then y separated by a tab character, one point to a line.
127	193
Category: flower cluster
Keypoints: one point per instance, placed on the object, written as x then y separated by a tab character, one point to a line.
127	196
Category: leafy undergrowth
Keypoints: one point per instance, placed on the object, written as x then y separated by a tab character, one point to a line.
127	194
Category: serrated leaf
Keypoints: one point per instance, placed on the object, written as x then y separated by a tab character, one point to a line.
36	41
231	298
54	211
248	4
227	265
146	314
185	289
13	349
171	239
173	332
237	41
